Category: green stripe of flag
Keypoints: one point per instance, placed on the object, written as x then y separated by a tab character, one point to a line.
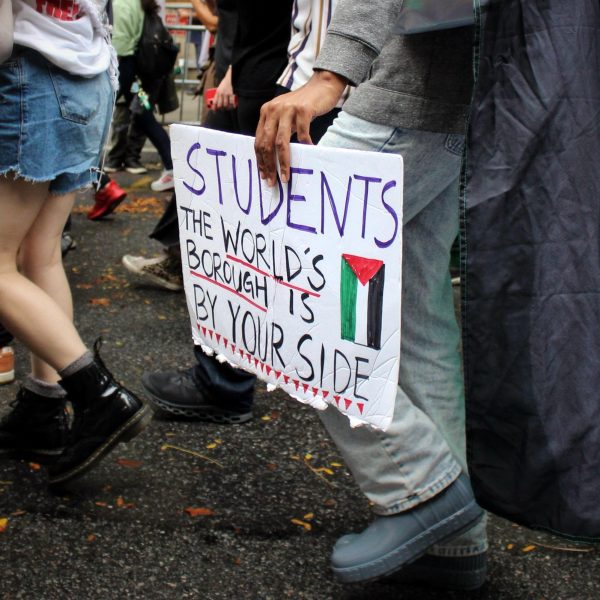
348	290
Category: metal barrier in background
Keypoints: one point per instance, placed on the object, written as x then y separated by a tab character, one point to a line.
186	80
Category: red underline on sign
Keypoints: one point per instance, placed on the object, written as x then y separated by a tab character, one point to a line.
266	274
226	287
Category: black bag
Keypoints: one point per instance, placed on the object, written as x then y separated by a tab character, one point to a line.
156	52
167	99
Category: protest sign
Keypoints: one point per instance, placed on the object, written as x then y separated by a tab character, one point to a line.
299	283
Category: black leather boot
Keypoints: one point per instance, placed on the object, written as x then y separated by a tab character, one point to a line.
105	413
36	428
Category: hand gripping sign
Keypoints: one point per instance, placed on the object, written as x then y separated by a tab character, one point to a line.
299	283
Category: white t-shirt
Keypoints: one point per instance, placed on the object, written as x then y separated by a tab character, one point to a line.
62	33
310	20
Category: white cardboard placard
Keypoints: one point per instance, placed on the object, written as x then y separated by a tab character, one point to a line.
299	283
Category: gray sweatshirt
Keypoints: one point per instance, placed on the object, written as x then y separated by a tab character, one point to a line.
418	81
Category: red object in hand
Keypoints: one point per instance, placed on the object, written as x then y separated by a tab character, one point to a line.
209	98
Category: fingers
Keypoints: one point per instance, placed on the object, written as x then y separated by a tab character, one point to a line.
224	101
279	119
303	121
282	146
264	145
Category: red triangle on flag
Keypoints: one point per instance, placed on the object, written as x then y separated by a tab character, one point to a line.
360	407
256	361
286	378
225	342
278	374
269	369
305	386
315	391
203	331
348	403
296	383
210	333
233	348
218	336
364	268
325	393
337	400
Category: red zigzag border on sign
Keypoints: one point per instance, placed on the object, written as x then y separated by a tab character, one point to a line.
264	367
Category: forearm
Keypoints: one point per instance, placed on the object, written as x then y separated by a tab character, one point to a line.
205	15
356	35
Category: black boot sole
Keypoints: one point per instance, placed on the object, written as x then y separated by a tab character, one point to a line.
130	429
210	414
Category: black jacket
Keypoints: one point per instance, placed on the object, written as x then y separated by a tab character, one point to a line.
531	297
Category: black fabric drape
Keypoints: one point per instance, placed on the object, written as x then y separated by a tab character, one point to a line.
531	252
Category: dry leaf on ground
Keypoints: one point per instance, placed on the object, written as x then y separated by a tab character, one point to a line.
199	512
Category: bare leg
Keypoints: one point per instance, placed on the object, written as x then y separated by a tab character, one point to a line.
29	312
40	260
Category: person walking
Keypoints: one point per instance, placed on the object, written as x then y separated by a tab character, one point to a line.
127	31
210	390
58	89
412	98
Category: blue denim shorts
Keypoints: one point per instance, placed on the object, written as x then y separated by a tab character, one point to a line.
53	125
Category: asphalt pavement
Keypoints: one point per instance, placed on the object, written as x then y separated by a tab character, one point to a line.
215	512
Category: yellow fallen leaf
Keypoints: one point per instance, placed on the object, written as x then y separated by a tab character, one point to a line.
34	466
510	546
91	538
307	526
323	470
308	457
265	418
3	524
295	457
309	516
336	464
528	548
211	446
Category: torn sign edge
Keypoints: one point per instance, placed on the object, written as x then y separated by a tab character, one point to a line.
316	401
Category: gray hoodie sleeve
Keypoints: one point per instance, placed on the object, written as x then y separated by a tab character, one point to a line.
356	35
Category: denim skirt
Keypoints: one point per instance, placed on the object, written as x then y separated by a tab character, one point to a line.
53	125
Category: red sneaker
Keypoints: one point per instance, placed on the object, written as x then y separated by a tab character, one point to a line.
107	199
7	365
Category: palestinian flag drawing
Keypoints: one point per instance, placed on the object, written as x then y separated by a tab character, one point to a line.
361	306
